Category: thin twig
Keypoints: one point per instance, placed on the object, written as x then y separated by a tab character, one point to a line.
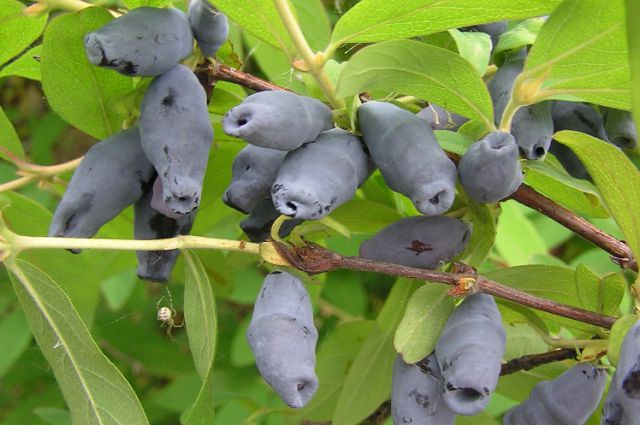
620	251
315	259
531	361
232	75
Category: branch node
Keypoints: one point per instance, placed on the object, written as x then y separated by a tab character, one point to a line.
311	258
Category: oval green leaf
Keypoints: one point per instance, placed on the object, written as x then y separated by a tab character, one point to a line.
260	18
81	93
17	30
9	139
369	380
582	51
94	389
618	332
202	330
616	178
417	69
423	321
395	19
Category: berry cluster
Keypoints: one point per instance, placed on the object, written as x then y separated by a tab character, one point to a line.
297	164
460	375
159	165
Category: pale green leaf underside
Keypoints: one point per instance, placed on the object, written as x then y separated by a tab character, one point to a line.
423	321
421	70
94	389
202	330
378	20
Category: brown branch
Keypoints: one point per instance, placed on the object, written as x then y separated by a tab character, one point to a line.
531	361
313	258
621	253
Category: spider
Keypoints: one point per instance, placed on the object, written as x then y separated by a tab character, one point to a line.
167	315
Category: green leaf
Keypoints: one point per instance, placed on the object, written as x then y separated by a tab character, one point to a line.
132	4
17	30
523	34
378	20
483	233
417	69
54	415
260	18
200	314
580	196
423	321
452	141
314	22
202	329
94	389
80	282
369	380
522	340
633	38
618	332
362	216
335	357
517	240
599	295
117	289
78	91
616	178
552	282
9	138
475	47
26	66
582	51
14	329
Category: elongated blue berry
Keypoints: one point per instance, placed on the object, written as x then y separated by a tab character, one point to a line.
278	120
176	136
423	242
567	400
146	41
416	395
620	127
532	125
113	174
490	170
622	406
318	177
151	224
253	172
469	353
410	159
283	338
210	26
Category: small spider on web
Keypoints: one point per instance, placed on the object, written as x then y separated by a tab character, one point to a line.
167	315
